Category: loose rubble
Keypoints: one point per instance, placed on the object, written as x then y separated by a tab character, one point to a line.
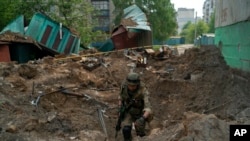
195	96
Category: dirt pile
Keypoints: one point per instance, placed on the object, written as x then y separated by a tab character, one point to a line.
193	127
53	99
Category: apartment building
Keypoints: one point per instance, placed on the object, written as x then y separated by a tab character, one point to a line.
208	9
105	17
184	15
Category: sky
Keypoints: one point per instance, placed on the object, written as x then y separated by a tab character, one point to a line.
196	4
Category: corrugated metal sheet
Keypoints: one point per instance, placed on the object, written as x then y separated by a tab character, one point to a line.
47	32
16	26
231	11
145	38
135	18
121	40
207	39
175	41
234	41
132	32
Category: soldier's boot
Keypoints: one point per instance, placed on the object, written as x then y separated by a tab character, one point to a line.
127	133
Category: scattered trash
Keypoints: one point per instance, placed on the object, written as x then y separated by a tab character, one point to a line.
163	53
90	63
36	101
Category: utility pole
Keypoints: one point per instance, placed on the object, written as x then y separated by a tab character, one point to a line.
195	30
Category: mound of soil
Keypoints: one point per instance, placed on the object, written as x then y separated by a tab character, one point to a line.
53	99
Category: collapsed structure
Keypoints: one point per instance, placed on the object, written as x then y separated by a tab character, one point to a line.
41	37
133	31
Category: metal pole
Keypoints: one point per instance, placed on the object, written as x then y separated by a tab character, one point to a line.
195	31
100	115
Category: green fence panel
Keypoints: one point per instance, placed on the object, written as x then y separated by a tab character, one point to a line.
234	41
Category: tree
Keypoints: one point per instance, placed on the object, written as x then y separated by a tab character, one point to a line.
184	30
12	9
211	23
189	31
161	15
7	12
201	27
75	14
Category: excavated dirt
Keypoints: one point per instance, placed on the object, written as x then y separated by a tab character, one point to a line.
194	96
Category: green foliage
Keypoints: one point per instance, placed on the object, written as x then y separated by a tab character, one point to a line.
185	29
8	12
161	16
202	27
118	12
211	23
186	25
189	30
156	47
75	14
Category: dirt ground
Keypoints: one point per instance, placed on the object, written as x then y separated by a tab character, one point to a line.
56	99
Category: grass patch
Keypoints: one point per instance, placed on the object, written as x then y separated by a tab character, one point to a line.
156	47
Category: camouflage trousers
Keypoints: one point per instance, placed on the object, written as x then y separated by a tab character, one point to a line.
139	128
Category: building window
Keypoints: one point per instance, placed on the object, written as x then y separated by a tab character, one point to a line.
104	12
103	22
101	5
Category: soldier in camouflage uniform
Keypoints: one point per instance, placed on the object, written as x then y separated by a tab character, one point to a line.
135	97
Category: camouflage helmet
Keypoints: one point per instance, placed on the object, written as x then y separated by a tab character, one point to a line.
133	78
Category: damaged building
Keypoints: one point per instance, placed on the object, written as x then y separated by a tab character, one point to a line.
41	37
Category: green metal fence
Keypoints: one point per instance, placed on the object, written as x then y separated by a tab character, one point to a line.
234	41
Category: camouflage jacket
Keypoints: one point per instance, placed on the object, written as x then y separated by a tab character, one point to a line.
139	100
